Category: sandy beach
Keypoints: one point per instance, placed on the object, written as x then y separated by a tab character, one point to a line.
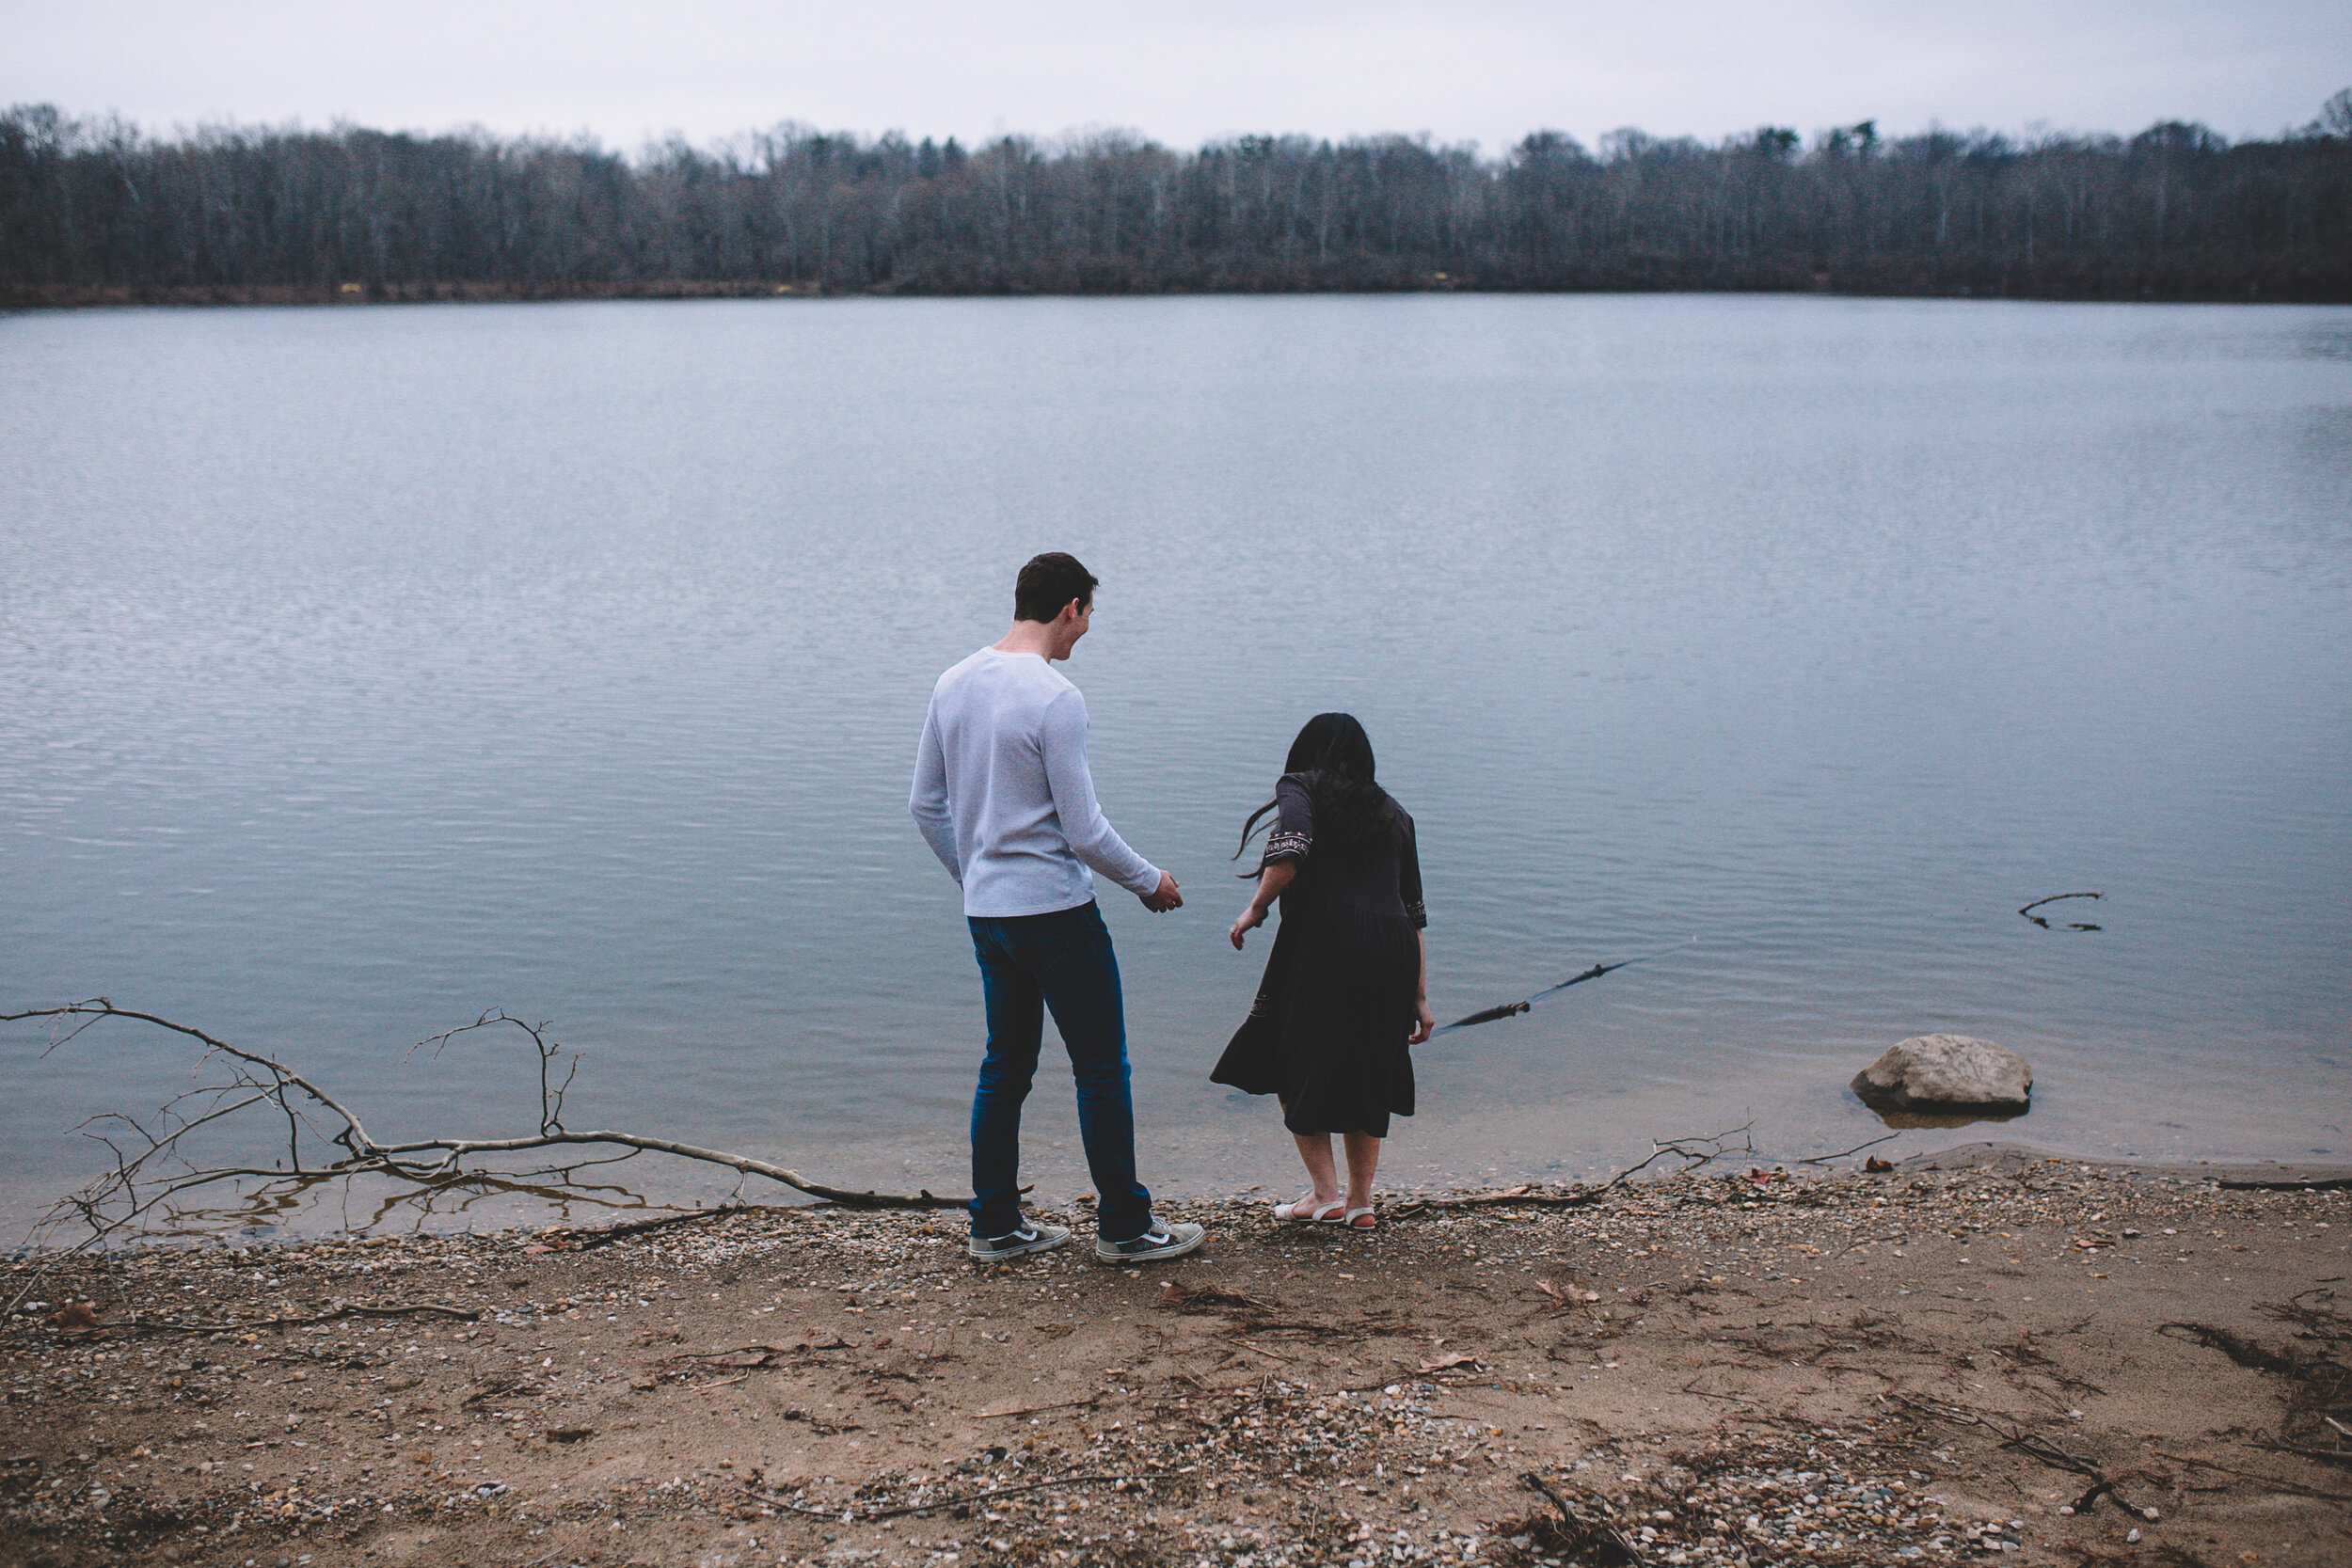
1990	1353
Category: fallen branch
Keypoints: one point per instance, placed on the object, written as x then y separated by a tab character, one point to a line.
324	1138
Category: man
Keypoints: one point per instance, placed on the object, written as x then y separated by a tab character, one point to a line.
1004	798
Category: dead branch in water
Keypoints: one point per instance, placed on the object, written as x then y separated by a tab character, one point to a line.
152	1172
2043	922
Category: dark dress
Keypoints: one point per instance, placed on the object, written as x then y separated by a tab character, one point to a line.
1328	1030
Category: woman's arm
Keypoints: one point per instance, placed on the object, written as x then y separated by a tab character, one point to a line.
1271	881
1408	889
1422	1022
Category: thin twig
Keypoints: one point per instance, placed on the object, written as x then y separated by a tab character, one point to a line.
2287	1486
2328	1456
2011	1436
1088	1402
1825	1158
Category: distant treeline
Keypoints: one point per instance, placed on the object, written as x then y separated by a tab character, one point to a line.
91	211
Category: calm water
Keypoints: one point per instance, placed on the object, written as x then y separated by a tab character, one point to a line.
362	669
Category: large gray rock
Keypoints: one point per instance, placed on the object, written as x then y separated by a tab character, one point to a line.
1934	1072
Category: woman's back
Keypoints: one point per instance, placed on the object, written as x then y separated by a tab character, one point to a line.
1374	869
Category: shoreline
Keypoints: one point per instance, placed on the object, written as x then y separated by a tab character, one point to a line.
535	1204
1725	1365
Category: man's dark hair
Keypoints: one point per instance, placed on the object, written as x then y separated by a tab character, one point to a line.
1048	582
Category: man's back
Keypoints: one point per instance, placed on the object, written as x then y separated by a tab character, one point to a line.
1003	792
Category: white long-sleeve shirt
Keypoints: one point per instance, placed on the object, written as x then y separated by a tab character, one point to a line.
1003	794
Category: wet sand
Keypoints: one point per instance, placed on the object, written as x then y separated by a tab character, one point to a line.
1986	1352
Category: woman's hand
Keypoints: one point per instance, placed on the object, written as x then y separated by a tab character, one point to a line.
1423	1024
1273	881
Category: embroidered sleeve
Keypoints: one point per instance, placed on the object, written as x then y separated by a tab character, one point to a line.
1281	846
1294	834
1419	915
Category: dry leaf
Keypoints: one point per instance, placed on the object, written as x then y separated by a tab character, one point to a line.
1448	1363
568	1434
1878	1167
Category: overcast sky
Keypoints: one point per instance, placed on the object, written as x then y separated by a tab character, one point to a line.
1487	71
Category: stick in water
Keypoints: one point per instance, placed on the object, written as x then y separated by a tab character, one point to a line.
1509	1010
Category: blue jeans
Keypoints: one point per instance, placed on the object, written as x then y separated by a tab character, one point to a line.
1028	963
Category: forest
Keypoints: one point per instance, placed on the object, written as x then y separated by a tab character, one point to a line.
95	211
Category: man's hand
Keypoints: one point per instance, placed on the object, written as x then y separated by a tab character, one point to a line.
1164	897
1424	1023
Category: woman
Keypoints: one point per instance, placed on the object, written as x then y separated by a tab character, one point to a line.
1346	991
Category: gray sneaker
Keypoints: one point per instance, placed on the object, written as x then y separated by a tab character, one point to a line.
1032	1237
1159	1239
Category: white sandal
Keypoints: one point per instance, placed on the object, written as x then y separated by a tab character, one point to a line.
1308	1212
1371	1217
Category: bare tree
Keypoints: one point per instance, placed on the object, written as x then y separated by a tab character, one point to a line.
96	210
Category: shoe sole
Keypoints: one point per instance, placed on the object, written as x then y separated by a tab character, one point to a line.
1015	1252
1154	1256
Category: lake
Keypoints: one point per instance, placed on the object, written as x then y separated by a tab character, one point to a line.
365	668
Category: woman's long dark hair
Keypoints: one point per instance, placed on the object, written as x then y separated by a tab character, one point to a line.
1335	754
